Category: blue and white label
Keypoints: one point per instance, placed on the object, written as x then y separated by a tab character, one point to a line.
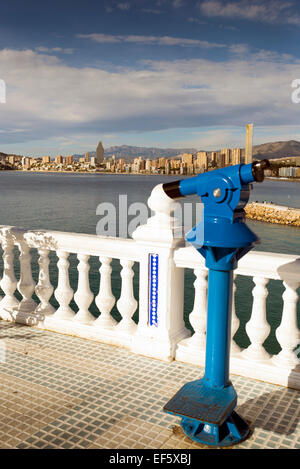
153	290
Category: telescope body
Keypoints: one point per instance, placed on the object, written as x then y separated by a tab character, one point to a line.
206	405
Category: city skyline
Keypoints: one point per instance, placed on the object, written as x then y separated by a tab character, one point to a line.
165	73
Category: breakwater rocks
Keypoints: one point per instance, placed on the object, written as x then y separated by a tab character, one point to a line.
273	214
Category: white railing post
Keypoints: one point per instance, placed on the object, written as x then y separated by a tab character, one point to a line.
161	325
8	282
83	295
105	300
193	348
258	327
44	288
26	284
63	292
288	334
126	304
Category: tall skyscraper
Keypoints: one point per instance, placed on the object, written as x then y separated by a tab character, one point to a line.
99	153
249	143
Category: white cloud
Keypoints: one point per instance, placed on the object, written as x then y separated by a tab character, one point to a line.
46	98
123	5
54	49
150	40
272	11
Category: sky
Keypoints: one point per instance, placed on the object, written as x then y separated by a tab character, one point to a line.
161	73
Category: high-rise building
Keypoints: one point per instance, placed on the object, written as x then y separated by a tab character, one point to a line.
213	157
86	157
99	153
148	165
121	164
227	155
59	159
46	159
221	160
161	162
167	167
236	155
69	159
202	160
187	158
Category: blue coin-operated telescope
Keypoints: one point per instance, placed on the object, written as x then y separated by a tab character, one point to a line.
206	405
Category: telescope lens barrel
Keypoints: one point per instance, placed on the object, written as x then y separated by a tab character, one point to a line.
258	168
172	189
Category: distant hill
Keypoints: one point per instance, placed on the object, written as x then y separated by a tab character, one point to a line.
265	150
276	149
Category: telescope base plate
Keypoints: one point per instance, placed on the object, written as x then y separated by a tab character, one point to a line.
232	431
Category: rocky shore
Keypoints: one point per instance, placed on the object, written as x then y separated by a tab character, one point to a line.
273	214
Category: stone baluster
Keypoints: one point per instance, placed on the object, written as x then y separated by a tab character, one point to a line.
105	300
63	292
127	304
288	334
8	282
258	327
44	289
235	322
198	316
26	284
83	295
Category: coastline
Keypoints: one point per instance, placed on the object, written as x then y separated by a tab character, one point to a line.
271	213
133	174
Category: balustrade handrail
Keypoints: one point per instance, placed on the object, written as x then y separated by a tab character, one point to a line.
76	243
272	265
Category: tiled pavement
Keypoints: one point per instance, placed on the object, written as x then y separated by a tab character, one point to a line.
58	391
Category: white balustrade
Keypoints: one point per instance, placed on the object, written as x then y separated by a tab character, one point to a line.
26	284
63	292
126	304
8	282
258	327
83	295
44	288
105	300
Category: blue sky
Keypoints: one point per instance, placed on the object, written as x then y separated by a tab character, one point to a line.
164	73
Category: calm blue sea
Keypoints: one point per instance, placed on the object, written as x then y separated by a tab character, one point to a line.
68	202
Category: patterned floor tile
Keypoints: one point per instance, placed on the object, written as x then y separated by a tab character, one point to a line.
59	391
